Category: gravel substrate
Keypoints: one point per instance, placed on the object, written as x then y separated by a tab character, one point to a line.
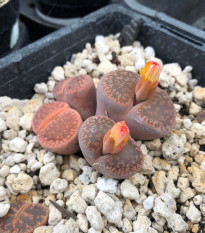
167	195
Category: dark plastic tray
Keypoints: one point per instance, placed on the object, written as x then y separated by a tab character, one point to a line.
173	42
189	11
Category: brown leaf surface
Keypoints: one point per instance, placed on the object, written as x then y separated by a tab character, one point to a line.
24	218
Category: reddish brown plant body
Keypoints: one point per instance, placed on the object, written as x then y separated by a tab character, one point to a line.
79	92
24	218
119	166
150	119
57	126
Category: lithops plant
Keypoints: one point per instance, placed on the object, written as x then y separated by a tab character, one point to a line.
79	92
24	217
109	148
57	127
147	110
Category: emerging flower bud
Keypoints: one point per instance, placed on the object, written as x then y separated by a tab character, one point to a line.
148	81
116	138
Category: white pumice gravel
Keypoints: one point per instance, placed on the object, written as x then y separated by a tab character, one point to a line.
167	195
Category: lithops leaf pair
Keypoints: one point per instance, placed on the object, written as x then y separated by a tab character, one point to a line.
57	123
147	110
109	148
24	217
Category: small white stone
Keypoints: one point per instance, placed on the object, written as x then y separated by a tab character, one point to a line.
26	121
111	209
193	214
173	147
198	200
128	190
44	229
4	208
86	175
37	165
15	169
22	183
41	88
55	215
10	160
2	125
138	179
19	158
3	193
76	203
82	222
58	73
89	192
100	38
187	123
202	166
148	203
58	186
4	171
165	205
149	52
48	174
93	230
177	223
48	157
139	61
94	217
105	67
107	185
142	225
18	145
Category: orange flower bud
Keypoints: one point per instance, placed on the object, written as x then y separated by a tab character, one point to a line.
116	138
148	81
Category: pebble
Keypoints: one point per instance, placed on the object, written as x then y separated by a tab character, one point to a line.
44	229
76	203
193	214
41	88
173	147
58	73
15	169
111	209
2	125
26	121
94	217
187	123
4	208
128	190
48	174
55	215
18	145
22	183
107	185
165	205
82	222
3	193
89	192
148	203
58	186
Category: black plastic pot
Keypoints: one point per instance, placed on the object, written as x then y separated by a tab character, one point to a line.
68	9
189	11
9	26
173	42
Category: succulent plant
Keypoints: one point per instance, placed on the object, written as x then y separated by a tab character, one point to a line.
79	92
57	127
109	148
24	217
140	107
147	110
